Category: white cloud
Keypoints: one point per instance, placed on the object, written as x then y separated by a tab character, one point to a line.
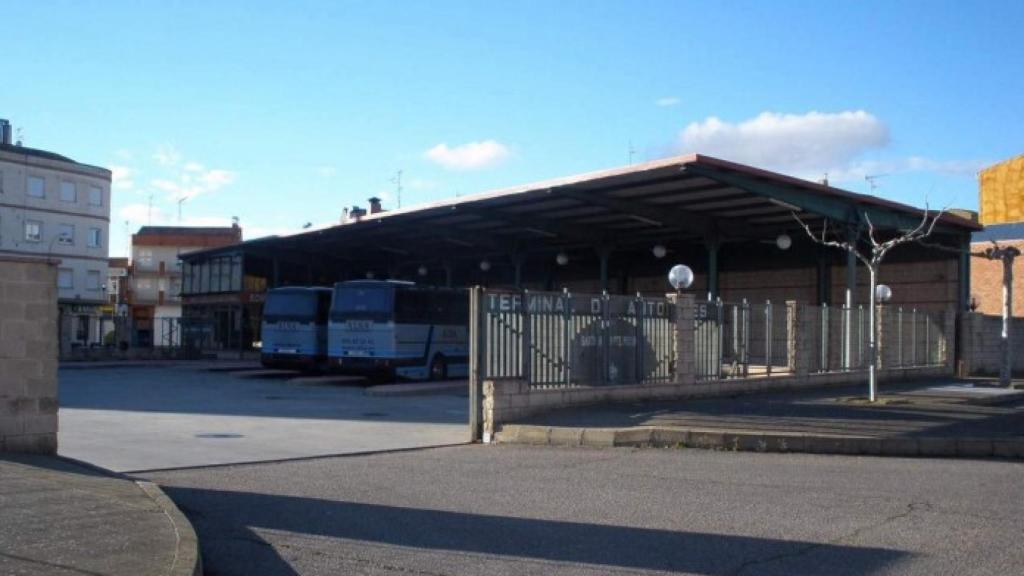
167	155
470	156
667	101
806	145
189	184
326	171
193	167
122	177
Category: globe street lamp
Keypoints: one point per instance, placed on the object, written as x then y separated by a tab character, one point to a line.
680	277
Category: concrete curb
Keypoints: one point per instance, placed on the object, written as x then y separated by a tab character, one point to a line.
417	389
757	441
187	559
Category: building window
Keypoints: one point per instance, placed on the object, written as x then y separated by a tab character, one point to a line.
68	192
36	187
65	278
95	196
92	280
33	231
66	234
95	237
144	284
145	257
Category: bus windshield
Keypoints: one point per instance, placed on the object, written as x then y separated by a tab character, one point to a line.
290	305
354	302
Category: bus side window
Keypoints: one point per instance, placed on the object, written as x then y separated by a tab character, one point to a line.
412	306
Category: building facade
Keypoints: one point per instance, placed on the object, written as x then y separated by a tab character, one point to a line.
55	208
155	277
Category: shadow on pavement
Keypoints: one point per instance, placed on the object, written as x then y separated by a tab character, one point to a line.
808	412
200	392
223	520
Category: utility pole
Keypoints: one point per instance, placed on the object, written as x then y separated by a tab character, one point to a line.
1006	255
631	152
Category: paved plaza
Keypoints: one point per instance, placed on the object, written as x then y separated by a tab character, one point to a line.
144	418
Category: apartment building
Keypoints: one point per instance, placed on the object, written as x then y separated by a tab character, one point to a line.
54	207
154	277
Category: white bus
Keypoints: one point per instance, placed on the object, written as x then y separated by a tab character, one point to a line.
294	328
388	328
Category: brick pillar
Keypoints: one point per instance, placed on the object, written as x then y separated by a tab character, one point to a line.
885	338
683	344
792	331
801	323
949	339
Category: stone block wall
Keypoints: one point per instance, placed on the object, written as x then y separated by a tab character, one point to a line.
28	356
981	344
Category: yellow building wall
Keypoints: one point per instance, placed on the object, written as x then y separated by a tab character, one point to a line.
1002	192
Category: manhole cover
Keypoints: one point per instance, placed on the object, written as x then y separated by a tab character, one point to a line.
219	435
375	414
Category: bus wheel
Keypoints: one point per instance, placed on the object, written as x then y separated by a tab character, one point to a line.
439	368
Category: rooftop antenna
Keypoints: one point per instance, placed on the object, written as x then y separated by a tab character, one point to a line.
871	180
397	181
631	152
149	211
19	137
128	236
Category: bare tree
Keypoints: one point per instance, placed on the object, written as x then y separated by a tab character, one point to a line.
872	259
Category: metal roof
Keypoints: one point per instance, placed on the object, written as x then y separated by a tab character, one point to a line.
686	198
1012	231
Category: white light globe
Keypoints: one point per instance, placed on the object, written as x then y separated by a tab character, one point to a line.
562	258
883	293
680	277
485	265
422	270
783	241
370	275
659	251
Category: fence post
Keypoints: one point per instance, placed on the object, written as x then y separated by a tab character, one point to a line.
566	337
638	335
476	352
768	331
526	345
792	337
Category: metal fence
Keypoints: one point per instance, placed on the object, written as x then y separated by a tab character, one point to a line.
741	340
906	338
558	339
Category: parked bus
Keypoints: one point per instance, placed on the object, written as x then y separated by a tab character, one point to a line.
294	328
388	328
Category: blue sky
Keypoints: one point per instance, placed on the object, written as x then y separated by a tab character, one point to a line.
284	113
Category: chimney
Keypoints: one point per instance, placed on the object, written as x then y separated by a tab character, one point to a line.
356	213
5	132
374	205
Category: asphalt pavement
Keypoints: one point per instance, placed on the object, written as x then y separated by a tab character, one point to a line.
61	518
499	510
178	415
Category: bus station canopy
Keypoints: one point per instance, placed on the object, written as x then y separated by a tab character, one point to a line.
685	199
